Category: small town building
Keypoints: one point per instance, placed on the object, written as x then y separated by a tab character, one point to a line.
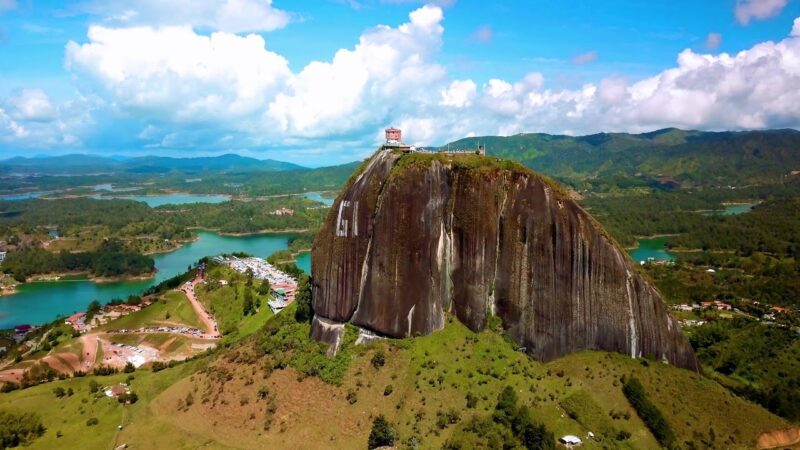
116	390
283	212
2	257
21	330
570	440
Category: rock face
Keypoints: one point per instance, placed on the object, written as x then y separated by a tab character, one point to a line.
415	236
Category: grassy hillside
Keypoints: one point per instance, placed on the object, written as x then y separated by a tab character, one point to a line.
243	397
264	393
669	157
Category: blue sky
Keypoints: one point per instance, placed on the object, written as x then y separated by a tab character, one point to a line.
314	81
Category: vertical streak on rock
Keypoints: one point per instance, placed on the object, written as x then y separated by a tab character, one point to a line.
631	315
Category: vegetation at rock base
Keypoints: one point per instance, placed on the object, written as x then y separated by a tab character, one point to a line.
649	412
510	426
304	311
757	362
19	428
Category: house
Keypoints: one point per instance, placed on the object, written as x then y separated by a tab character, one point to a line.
116	390
22	330
683	307
780	309
77	321
570	440
283	212
716	304
722	306
2	257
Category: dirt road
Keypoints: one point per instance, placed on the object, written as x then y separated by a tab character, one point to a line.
208	320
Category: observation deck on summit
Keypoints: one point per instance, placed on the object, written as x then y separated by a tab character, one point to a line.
394	140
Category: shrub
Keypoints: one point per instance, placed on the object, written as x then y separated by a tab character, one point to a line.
9	386
94	386
388	390
378	359
472	400
382	434
59	392
129	368
105	370
128	398
648	412
623	435
92	421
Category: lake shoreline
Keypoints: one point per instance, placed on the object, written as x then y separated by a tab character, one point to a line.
58	276
176	247
80	276
251	233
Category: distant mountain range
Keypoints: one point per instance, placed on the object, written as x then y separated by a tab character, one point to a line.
666	158
86	164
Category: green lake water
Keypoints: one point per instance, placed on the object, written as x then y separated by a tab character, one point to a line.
731	209
303	262
41	302
25	196
651	248
317	197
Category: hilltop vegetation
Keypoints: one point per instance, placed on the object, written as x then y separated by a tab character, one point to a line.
665	158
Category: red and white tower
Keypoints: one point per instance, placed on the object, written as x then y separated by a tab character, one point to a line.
393	136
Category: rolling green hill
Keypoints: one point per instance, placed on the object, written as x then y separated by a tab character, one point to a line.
277	390
666	158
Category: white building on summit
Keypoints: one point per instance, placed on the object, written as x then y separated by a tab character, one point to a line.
394	139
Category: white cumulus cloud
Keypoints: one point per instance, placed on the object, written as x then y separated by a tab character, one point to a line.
180	89
459	94
387	70
176	73
31	104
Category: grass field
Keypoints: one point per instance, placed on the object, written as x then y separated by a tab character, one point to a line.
172	308
239	397
226	303
430	377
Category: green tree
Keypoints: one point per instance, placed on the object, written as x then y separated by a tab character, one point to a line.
649	413
382	434
19	428
92	309
264	288
248	306
304	312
